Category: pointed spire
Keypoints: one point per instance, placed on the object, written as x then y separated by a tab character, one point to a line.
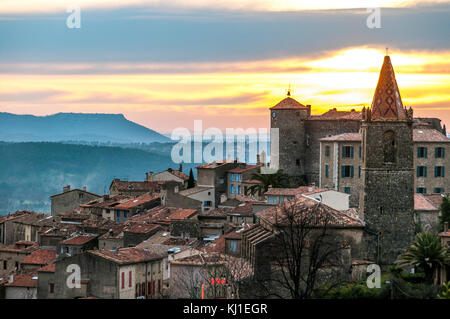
387	103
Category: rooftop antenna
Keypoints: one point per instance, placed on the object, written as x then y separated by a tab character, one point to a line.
289	90
387	51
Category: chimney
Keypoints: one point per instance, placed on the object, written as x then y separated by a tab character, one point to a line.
84	188
258	159
11	279
66	189
181	167
146	176
170	169
446	227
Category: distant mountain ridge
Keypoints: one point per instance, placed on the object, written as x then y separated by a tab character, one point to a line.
89	127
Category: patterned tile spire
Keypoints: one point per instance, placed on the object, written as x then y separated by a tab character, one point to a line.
387	103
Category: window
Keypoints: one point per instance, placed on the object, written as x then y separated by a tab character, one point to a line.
125	214
360	152
347	151
123	280
232	188
239	189
129	278
347	190
327	151
439	152
438	190
118	220
421	190
359	171
233	246
80	195
51	287
421	171
422	152
232	177
326	171
5	264
439	171
118	213
389	147
297	162
347	171
17	265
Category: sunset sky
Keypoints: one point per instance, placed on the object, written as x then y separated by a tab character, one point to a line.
164	64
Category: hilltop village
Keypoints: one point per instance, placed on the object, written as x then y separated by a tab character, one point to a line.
361	180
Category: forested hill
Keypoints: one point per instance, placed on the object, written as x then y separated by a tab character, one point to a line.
31	172
75	127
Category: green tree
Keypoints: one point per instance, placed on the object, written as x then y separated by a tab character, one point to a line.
191	181
278	179
427	253
445	293
445	211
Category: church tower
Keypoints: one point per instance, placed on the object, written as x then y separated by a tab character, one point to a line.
387	193
288	119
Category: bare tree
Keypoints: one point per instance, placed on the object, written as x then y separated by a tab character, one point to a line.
307	249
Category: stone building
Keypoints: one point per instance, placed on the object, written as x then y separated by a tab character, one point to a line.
387	171
300	132
22	225
69	199
11	256
133	188
239	178
341	160
38	259
126	273
170	175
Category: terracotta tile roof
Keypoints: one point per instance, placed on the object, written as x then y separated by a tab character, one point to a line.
78	239
24	280
419	135
195	190
334	114
361	262
182	213
290	191
140	228
148	186
244	209
304	206
48	268
387	102
137	201
216	212
20	247
105	201
215	164
350	137
288	103
422	203
40	257
26	217
179	174
127	255
435	199
429	135
114	233
152	215
245	168
217	246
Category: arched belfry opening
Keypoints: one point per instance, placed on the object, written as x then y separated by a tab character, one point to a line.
389	147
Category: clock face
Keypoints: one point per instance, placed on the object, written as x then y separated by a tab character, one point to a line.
274	115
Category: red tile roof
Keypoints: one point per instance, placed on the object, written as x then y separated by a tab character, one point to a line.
127	255
302	206
40	257
290	191
79	239
350	137
215	164
288	103
148	186
48	268
140	228
137	201
334	114
183	214
387	102
24	280
429	135
422	203
245	168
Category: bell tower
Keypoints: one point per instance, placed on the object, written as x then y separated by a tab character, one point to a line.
387	193
288	119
